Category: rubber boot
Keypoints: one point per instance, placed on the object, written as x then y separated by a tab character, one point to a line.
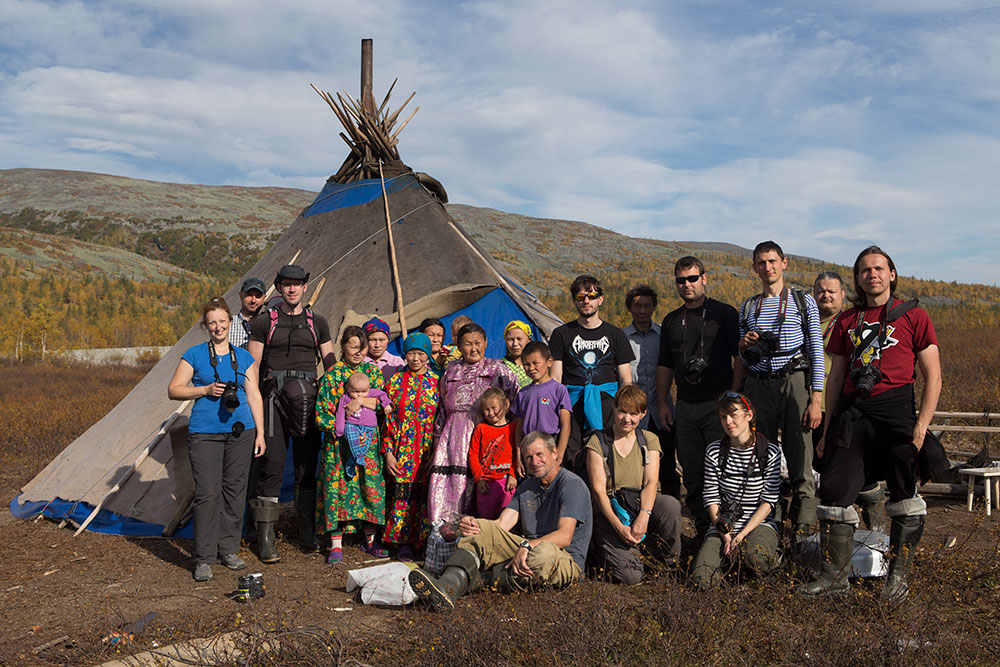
872	508
305	518
501	579
800	534
461	575
265	515
904	536
837	546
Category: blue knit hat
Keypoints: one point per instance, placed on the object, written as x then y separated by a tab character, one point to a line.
418	341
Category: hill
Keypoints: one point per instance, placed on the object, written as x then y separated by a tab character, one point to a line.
197	240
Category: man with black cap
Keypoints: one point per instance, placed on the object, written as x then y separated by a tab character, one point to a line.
251	299
287	342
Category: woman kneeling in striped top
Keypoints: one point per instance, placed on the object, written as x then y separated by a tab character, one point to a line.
742	473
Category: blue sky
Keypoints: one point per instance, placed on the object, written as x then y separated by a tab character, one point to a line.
825	126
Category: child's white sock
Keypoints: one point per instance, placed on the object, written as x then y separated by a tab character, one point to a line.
336	541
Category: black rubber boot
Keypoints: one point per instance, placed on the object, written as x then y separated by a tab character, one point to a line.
501	579
305	518
904	535
265	515
836	546
872	508
461	575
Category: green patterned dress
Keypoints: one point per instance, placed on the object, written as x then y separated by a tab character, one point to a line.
342	505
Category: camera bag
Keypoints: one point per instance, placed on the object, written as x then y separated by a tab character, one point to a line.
297	404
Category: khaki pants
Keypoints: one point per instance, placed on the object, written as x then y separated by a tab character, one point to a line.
758	551
780	404
551	565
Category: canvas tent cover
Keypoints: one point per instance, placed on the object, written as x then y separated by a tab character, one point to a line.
341	240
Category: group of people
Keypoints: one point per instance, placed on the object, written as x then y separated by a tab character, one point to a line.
515	472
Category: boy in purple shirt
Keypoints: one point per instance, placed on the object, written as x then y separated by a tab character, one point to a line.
358	428
544	404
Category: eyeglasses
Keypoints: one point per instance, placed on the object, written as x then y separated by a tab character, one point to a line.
680	280
734	396
584	296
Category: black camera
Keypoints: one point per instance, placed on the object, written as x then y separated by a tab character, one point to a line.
766	346
230	397
865	378
730	514
693	369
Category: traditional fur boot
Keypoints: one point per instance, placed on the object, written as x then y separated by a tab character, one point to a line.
904	536
265	514
836	546
461	575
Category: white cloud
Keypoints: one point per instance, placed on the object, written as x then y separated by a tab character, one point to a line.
824	126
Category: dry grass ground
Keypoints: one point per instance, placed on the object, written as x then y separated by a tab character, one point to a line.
54	585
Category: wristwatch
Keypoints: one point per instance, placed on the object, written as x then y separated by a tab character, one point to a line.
649	512
526	544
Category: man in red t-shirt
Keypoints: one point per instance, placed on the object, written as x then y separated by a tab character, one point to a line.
873	432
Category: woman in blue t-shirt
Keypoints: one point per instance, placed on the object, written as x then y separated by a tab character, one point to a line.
222	437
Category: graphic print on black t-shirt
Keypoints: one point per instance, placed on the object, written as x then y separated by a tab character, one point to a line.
589	354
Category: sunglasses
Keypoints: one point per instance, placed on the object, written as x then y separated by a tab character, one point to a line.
584	296
734	396
680	280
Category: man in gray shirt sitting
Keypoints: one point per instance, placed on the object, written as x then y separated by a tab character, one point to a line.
556	519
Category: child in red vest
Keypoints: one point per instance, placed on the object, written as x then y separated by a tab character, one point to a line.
491	456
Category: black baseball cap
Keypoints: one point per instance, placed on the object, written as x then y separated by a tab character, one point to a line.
253	283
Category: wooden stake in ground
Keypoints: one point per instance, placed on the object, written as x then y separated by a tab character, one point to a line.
392	255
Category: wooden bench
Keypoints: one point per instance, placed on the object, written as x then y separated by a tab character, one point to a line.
991	484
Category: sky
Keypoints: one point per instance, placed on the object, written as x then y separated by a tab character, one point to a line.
825	126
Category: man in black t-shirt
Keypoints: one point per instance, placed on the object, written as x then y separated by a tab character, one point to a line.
286	342
591	357
698	343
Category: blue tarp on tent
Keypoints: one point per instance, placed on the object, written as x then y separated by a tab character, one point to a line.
341	195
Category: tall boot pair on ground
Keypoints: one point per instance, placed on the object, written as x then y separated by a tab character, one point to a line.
266	511
837	547
461	576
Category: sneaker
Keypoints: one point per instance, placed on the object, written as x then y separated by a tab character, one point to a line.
202	572
375	549
233	562
335	556
405	553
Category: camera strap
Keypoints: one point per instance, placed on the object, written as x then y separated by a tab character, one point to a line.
213	358
701	335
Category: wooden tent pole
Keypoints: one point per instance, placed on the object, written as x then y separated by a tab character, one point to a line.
392	255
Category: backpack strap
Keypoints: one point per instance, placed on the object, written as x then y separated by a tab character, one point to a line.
310	323
901	309
609	459
760	451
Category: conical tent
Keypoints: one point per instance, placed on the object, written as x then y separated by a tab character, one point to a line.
133	463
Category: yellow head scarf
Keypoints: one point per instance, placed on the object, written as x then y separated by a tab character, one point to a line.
523	326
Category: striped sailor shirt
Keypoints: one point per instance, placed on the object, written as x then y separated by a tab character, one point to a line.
760	313
742	482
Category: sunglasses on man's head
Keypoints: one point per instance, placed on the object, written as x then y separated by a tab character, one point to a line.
680	280
583	296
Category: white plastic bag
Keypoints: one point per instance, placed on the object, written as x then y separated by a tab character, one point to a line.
386	584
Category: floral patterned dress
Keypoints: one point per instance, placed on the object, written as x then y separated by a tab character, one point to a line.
342	504
409	435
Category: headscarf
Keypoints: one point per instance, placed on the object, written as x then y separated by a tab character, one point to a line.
375	324
520	324
418	341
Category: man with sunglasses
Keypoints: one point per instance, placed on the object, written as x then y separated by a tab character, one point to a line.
781	360
591	357
698	343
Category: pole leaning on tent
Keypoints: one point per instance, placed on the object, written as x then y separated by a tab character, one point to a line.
392	255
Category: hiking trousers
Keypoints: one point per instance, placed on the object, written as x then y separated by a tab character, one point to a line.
780	404
220	464
551	565
696	426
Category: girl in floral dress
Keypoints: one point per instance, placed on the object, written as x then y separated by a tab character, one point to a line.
348	505
409	436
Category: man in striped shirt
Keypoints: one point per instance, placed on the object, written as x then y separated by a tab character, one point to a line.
782	367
